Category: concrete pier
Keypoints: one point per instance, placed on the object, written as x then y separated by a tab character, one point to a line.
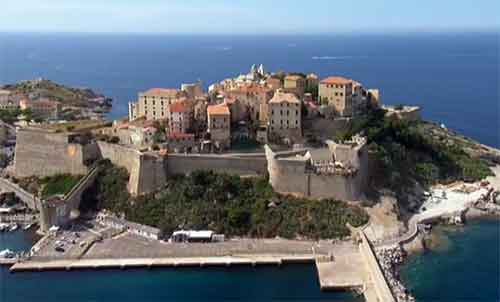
75	264
5	261
355	271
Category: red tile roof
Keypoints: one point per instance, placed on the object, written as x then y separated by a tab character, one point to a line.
179	107
336	80
283	97
165	92
252	88
220	109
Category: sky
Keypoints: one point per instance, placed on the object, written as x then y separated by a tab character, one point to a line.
245	16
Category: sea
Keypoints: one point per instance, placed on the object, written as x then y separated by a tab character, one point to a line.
454	77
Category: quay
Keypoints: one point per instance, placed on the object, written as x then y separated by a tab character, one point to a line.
344	266
7	261
75	264
360	271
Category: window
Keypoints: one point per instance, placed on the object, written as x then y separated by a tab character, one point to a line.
296	122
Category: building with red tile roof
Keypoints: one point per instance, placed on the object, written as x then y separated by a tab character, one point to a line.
219	124
337	92
154	103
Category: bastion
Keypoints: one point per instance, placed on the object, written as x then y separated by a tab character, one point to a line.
41	152
338	171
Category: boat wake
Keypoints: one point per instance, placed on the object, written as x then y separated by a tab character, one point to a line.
339	57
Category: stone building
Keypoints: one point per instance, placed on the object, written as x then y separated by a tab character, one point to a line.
312	80
284	111
252	97
193	90
8	101
219	125
42	108
274	82
180	117
153	103
295	84
337	93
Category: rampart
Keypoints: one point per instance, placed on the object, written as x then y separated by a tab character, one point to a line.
58	211
147	171
238	164
297	174
42	153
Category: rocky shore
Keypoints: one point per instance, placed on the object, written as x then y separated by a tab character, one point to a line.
390	259
459	203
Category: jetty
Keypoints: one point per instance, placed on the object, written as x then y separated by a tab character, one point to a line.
75	264
360	272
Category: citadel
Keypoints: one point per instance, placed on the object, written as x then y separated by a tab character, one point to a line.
177	131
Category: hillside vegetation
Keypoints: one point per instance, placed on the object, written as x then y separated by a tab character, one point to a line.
406	152
48	89
226	204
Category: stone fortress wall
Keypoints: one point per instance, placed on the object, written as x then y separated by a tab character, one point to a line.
238	164
297	173
147	171
42	153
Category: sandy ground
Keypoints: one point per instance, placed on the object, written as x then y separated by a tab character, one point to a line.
384	222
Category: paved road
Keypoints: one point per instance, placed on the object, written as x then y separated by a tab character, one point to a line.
25	196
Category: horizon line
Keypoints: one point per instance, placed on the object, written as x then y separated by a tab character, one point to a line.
298	33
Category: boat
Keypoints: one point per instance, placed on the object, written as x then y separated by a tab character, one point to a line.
13	227
3	227
28	226
7	254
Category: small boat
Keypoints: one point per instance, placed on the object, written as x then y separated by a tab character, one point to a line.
28	226
3	227
7	254
13	227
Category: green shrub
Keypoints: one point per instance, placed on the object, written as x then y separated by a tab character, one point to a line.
227	204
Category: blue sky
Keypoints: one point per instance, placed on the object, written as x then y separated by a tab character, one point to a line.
245	16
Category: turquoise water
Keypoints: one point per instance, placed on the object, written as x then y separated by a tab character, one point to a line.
466	268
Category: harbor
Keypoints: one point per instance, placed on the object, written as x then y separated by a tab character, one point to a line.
344	266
